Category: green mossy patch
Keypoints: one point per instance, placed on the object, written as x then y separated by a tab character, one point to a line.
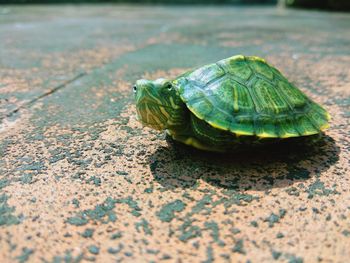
236	198
215	232
293	191
116	235
346	233
239	247
293	258
272	219
104	212
135	209
79	220
68	257
318	188
210	255
4	182
34	166
6	213
94	249
189	231
94	180
280	235
76	203
88	233
145	227
149	190
167	212
201	205
24	257
254	223
276	254
115	250
27	178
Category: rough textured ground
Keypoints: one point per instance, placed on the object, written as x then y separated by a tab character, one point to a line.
81	180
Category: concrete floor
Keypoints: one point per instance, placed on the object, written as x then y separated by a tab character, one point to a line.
81	180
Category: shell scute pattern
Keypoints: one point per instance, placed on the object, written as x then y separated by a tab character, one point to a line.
261	68
249	97
304	125
292	94
266	126
205	105
242	101
270	101
222	121
204	75
237	67
286	127
318	117
190	91
223	93
242	125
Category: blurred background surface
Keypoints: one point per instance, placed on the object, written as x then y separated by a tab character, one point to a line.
338	5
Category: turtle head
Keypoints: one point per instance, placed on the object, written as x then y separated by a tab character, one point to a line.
158	104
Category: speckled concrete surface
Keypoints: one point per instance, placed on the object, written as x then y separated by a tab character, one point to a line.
82	181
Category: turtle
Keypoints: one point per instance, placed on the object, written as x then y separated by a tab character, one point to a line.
237	101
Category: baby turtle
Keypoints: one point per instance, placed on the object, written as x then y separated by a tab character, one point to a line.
240	100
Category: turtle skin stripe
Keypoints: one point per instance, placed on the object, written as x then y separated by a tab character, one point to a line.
246	96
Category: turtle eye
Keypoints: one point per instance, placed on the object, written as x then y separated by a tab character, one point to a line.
169	86
134	88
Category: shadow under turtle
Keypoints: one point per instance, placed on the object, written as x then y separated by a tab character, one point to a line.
259	168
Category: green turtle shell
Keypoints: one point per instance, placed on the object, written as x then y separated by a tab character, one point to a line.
247	96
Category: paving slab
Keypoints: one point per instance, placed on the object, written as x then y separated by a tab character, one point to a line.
81	180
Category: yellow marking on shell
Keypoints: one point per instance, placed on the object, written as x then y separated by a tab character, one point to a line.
235	57
217	126
195	113
257	58
266	135
309	133
328	116
209	122
276	108
324	126
289	135
236	132
235	101
240	133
